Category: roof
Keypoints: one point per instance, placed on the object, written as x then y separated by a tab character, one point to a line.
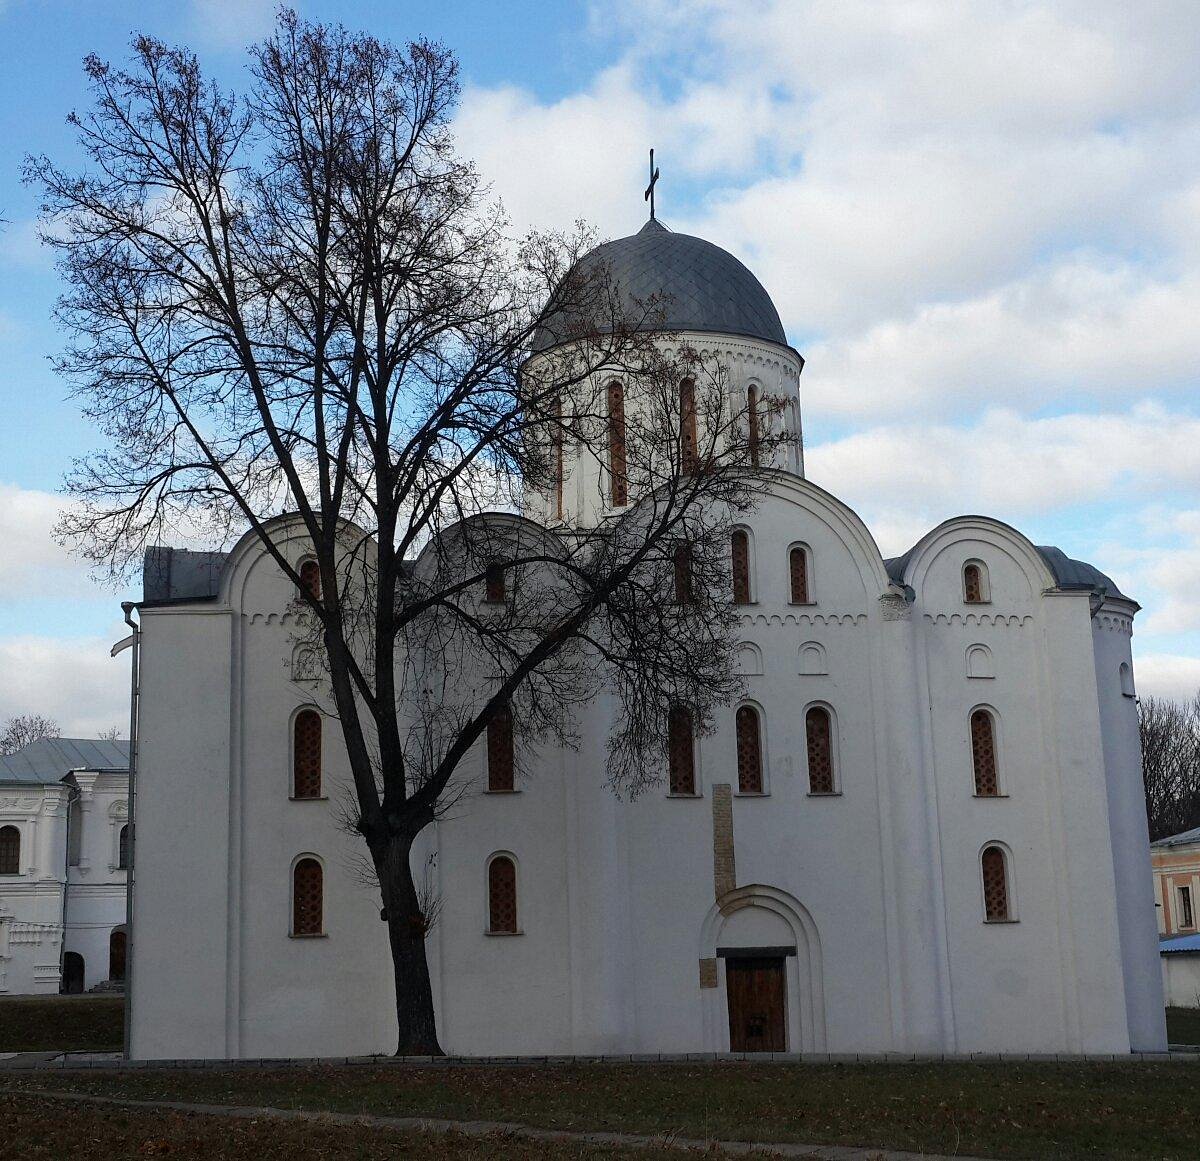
178	574
1175	944
50	759
696	286
1179	840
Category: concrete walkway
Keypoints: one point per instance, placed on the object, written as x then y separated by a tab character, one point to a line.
500	1129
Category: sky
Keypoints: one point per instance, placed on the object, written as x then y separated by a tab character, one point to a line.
980	222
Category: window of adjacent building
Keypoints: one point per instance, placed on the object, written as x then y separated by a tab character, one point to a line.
818	734
740	551
681	561
494	587
752	420
123	848
501	752
681	751
617	468
983	754
74	832
1185	907
307	897
502	896
975	583
749	750
798	575
306	754
689	449
310	579
10	850
995	885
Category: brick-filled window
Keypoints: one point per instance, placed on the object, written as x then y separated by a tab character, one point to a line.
681	751
689	448
310	579
752	420
617	467
749	750
740	551
995	885
306	755
502	896
983	754
10	850
495	590
308	889
973	584
798	576
681	560
818	731
500	752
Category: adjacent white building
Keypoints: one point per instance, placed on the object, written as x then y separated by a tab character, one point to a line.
921	828
63	858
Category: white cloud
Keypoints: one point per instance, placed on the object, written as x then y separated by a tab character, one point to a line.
1166	675
232	23
72	680
32	563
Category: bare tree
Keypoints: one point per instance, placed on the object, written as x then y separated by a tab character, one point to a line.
25	728
299	300
1170	732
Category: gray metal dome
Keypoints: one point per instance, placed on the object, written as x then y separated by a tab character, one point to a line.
697	287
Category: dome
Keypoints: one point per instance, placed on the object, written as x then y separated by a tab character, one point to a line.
702	287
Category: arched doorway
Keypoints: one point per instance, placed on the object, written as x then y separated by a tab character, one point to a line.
72	978
116	954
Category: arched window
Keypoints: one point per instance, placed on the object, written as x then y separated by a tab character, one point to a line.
983	754
752	420
494	589
681	560
502	896
1126	675
10	850
818	731
617	469
740	547
556	456
995	885
681	751
798	575
306	755
974	578
689	449
123	849
310	579
749	750
308	889
500	751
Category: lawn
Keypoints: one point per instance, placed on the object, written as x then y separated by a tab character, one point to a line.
1135	1110
61	1023
1183	1025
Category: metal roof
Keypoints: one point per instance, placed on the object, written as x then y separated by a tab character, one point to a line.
1175	944
178	574
1179	840
50	759
696	287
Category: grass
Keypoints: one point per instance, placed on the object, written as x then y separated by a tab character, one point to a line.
61	1023
1183	1025
1134	1110
35	1129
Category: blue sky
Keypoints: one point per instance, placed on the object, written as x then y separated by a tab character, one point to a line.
980	222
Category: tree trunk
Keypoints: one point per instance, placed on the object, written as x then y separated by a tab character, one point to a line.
407	928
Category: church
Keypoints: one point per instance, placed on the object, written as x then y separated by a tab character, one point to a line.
919	830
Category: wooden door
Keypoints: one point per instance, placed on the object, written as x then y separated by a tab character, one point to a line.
757	1004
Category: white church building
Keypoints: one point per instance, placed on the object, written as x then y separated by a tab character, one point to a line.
921	829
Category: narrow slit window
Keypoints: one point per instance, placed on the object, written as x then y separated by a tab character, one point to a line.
983	754
749	750
500	752
818	731
752	420
10	850
1186	918
681	751
681	560
973	593
689	450
306	755
495	590
310	579
502	896
740	548
556	456
995	885
617	468
308	889
123	849
798	575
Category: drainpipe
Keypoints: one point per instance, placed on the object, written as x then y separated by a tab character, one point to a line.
133	641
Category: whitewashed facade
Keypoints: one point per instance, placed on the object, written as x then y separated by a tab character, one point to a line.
866	899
